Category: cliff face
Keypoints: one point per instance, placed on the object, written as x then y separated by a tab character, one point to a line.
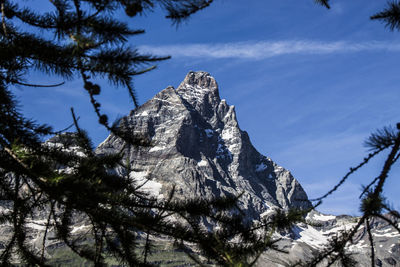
198	147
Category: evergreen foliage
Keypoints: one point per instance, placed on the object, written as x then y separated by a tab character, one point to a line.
391	15
373	203
324	3
70	182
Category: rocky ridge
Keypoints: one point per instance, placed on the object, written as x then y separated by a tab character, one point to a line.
197	146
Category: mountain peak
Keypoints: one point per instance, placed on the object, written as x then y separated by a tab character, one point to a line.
199	149
200	90
200	80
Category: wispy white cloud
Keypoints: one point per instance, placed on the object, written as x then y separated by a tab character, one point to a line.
267	49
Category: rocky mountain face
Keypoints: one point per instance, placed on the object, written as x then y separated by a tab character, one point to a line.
197	146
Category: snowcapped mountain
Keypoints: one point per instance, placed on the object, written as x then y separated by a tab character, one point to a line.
198	147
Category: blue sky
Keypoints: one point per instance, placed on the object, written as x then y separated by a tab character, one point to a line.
309	84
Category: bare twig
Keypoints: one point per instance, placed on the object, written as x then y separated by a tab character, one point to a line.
3	18
47	229
38	85
352	170
393	224
371	242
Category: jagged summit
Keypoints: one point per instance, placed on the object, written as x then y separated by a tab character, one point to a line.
200	79
200	90
198	147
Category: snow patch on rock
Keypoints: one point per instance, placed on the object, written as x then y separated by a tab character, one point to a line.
322	217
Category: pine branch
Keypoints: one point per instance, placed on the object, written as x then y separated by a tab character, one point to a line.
336	245
392	223
3	20
371	242
381	139
37	85
390	16
324	3
178	11
388	164
51	213
346	176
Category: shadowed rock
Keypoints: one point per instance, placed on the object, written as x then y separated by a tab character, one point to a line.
198	147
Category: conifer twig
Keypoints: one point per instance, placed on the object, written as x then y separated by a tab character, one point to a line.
38	85
3	18
371	242
351	171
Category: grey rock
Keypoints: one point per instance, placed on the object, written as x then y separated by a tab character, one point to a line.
198	147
